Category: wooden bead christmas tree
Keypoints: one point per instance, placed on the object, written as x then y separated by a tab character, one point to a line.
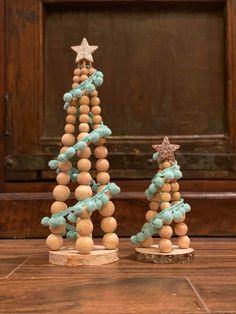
73	164
166	206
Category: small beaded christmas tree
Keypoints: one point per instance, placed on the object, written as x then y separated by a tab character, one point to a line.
82	103
166	206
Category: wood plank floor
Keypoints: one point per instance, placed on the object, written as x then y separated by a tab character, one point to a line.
29	284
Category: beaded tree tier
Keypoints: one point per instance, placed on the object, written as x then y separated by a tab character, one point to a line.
166	207
73	164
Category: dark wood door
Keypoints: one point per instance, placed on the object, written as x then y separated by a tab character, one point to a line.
169	70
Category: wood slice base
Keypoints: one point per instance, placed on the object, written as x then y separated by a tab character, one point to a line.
68	256
153	255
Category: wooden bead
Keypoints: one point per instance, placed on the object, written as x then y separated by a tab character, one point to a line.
68	139
94	93
107	210
84	245
165	245
63	149
84	178
77	72
110	241
175	196
63	178
81	136
147	242
97	119
100	152
82	192
165	197
96	110
91	71
84	109
70	119
178	220
95	101
164	205
74	85
183	242
174	187
101	142
72	110
76	79
84	164
103	177
181	229
166	232
61	229
57	207
84	127
166	164
64	165
83	78
69	128
85	71
154	206
156	197
166	188
95	126
84	118
102	165
84	227
61	193
54	242
150	214
85	214
84	100
85	153
108	224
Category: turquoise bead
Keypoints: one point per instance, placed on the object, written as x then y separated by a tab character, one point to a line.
53	164
187	207
67	97
159	182
91	206
155	156
169	175
90	87
71	235
133	239
94	137
72	217
62	157
99	73
157	223
114	189
98	81
45	221
66	105
70	152
104	199
167	217
140	237
77	93
152	188
177	216
81	145
98	204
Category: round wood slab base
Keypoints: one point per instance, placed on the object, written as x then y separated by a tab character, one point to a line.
152	255
68	256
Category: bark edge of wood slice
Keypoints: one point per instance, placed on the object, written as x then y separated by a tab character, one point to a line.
153	255
68	256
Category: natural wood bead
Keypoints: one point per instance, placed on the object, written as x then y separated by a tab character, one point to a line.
97	119
76	79
83	78
74	85
84	227
164	205
181	229
175	196
85	71
82	192
165	197
72	110
101	142
94	93
84	245
63	149
70	119
61	229
156	197
77	72
95	126
84	178
84	164
74	102
183	242
85	153
57	207
96	110
166	232
63	178
110	241
81	136
150	214
91	71
84	100
84	109
84	118
95	101
68	139
174	187
180	219
165	245
154	206
166	188
54	242
61	193
107	210
84	127
64	165
69	128
85	214
147	242
166	164
103	177
108	224
102	165
100	152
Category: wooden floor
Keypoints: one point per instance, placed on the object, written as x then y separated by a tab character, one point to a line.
29	284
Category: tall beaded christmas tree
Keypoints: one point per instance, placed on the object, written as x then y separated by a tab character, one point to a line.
73	164
166	208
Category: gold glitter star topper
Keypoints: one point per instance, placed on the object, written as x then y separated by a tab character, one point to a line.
84	51
166	150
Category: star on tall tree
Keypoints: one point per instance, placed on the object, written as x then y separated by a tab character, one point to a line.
166	150
84	51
